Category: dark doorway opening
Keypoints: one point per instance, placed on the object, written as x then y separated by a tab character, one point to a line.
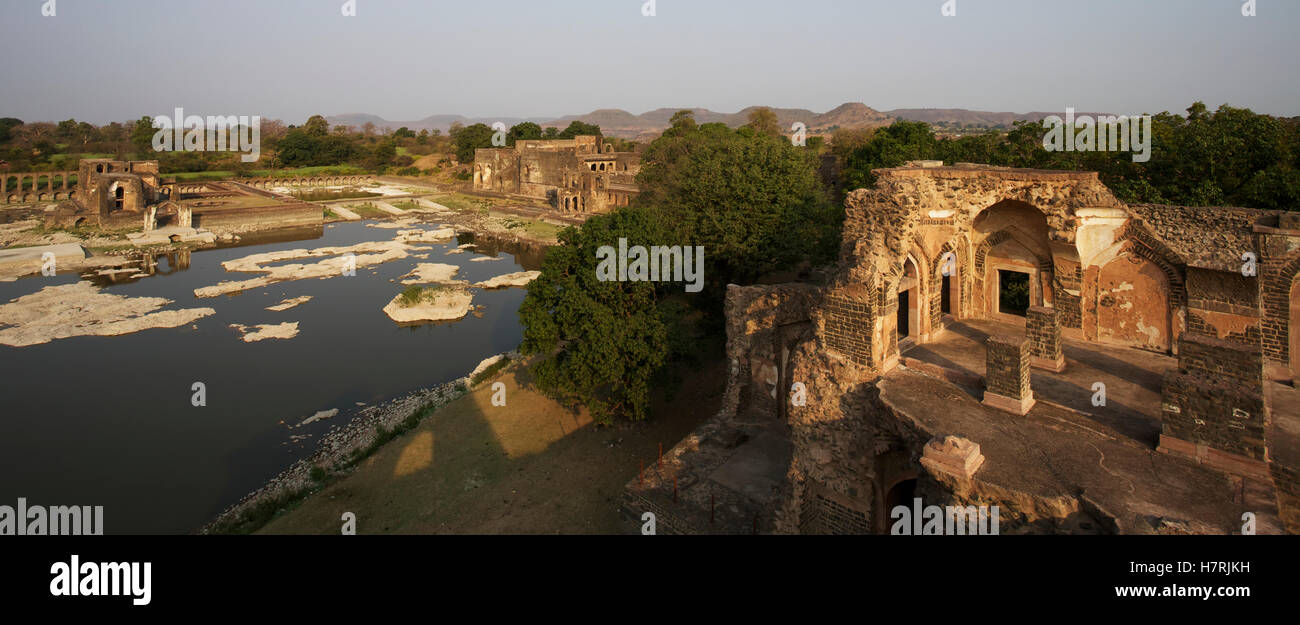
945	296
901	494
119	198
1013	292
903	317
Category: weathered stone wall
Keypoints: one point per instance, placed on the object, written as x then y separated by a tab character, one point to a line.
259	218
1223	304
1279	265
764	324
1216	396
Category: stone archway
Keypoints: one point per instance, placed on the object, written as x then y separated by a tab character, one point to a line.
1013	260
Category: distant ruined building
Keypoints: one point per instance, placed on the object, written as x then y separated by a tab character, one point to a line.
578	175
131	195
119	195
1012	338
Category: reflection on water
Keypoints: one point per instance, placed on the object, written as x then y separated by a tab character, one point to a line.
108	420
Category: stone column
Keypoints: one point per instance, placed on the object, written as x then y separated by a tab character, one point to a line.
1006	376
4	187
1043	329
1213	408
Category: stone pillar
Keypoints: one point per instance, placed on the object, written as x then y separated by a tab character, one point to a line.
1043	329
1006	376
1213	408
4	187
66	175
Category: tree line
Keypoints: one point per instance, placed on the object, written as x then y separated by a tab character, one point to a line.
1226	157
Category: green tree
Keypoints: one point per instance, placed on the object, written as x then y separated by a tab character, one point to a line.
579	128
754	201
601	342
316	126
7	124
142	135
471	138
525	130
763	121
891	146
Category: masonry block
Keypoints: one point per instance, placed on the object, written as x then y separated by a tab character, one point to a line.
952	455
1006	377
1043	331
1213	408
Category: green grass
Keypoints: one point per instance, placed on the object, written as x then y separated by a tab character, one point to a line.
367	211
539	229
324	170
460	202
413	295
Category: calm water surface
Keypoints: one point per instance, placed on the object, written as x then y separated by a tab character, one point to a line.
108	420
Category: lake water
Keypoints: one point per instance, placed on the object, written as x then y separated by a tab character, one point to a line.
108	420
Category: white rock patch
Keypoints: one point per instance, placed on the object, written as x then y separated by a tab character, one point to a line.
290	303
252	334
81	309
519	278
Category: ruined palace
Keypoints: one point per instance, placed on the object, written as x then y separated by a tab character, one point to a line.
578	175
131	195
1011	338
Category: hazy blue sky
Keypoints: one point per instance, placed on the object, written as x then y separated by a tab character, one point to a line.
102	60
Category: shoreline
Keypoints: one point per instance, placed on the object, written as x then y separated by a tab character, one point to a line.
340	449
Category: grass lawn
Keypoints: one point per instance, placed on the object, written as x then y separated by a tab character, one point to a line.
366	211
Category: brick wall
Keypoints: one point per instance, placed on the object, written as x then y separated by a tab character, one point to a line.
1216	396
1007	367
1043	332
849	324
825	512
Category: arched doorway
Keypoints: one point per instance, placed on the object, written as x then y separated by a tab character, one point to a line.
1013	260
909	301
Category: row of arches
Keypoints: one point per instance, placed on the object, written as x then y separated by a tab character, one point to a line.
36	186
315	181
51	196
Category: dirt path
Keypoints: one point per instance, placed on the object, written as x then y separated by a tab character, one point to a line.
530	467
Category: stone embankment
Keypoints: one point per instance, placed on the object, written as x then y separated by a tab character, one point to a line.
342	445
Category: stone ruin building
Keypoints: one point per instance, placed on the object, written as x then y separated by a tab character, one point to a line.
1012	338
131	195
578	175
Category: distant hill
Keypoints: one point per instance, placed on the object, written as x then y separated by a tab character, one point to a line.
439	122
648	125
966	117
620	123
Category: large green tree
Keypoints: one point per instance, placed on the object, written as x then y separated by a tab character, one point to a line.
602	342
752	201
471	138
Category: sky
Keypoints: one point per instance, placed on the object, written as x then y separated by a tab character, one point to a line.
113	60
